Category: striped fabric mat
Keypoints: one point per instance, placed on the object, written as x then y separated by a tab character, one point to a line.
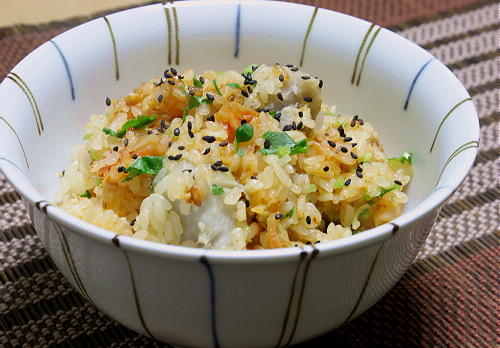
449	297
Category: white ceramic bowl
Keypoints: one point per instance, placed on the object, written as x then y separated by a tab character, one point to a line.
209	298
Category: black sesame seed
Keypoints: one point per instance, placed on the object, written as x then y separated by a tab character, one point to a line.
354	144
244	93
125	142
210	97
320	85
305	77
397	182
178	157
211	118
347	139
132	223
289	65
191	93
108	101
247	203
209	138
187	170
294	68
202	79
243	122
180	77
331	143
160	130
167	74
171	82
253	177
267	144
250	90
223	169
174	71
361	122
359	174
254	67
278	216
121	169
190	125
248	76
223	144
281	78
169	143
160	98
359	169
163	124
300	125
277	116
301	114
343	149
308	99
191	134
287	128
158	84
115	148
347	182
214	167
325	169
265	110
207	150
294	125
353	155
218	163
177	131
181	147
308	219
135	156
150	132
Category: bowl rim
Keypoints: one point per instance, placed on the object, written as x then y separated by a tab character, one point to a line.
358	241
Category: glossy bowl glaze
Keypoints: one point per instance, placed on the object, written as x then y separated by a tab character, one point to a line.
213	298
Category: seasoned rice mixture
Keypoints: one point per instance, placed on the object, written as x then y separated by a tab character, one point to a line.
231	160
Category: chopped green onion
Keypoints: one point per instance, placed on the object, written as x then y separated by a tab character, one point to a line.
372	199
364	212
98	181
144	165
194	102
95	155
87	136
217	190
216	87
283	151
249	69
406	157
290	213
312	188
234	85
86	194
183	90
338	183
366	157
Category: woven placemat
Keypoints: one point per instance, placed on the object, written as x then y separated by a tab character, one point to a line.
448	298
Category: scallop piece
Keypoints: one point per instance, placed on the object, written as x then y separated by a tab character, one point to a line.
298	89
211	223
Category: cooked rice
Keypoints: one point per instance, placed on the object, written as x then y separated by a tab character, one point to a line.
268	201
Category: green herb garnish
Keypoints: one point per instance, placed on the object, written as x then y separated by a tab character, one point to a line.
279	140
139	122
364	212
272	113
183	90
339	121
240	152
98	181
374	199
194	102
406	157
217	190
197	82
290	213
144	165
234	85
216	87
244	133
95	155
86	194
87	136
312	188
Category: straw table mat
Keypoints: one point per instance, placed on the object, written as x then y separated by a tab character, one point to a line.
448	298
